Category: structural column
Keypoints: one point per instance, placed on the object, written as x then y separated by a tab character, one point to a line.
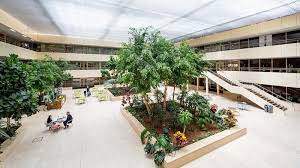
197	84
206	85
218	89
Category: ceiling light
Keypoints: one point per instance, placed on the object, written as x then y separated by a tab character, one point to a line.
12	30
24	35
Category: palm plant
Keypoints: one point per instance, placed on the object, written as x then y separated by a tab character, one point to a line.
185	118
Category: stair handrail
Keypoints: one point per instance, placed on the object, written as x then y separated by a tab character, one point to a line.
222	77
273	93
242	84
270	92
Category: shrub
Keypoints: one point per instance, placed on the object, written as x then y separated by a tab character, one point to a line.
159	157
156	145
185	118
197	104
226	118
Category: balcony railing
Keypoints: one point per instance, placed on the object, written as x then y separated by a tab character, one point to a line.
241	45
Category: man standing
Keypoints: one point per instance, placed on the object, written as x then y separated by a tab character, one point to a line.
68	120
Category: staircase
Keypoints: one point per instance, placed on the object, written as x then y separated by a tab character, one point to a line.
223	78
251	92
282	107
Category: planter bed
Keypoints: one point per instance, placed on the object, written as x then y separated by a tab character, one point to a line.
112	97
117	93
8	145
193	150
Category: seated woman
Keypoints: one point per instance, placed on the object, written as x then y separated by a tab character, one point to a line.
51	124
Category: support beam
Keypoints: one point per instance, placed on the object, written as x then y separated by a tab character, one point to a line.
206	85
218	89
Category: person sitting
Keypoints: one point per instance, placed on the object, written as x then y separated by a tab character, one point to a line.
49	120
68	120
51	124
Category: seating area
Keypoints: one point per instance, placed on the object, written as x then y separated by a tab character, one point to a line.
100	94
149	84
80	98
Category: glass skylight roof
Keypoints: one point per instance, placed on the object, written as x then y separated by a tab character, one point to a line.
176	19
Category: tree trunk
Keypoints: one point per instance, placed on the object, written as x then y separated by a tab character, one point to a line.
165	98
146	102
174	92
8	123
184	127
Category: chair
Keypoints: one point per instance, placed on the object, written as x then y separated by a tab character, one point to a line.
48	124
70	123
80	100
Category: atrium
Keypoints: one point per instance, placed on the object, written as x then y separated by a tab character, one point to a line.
142	84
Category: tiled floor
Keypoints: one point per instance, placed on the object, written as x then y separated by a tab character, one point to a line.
101	137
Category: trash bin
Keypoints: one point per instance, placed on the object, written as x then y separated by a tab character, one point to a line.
268	108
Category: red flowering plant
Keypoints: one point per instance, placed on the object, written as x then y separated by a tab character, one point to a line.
214	108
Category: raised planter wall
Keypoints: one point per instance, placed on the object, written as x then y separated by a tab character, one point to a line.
192	151
112	97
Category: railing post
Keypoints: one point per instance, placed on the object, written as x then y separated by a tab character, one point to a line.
206	85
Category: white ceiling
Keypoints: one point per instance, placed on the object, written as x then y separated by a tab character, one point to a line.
176	19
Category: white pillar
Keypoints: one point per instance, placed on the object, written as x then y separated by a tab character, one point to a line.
197	84
218	89
206	85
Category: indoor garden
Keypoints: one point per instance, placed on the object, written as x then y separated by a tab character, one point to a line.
27	85
148	65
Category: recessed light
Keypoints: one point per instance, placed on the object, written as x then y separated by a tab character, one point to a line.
12	30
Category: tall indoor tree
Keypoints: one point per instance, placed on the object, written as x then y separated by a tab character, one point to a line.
148	59
188	65
46	74
136	64
17	97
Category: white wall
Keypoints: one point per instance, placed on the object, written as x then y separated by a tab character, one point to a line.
267	78
85	73
75	56
276	51
6	49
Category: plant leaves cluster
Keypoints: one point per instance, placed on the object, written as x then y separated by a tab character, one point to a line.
156	145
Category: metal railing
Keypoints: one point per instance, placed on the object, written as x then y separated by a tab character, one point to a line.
268	91
264	69
223	78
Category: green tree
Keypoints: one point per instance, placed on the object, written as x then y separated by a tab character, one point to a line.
188	65
149	59
112	63
46	74
163	52
17	97
136	64
105	74
185	118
